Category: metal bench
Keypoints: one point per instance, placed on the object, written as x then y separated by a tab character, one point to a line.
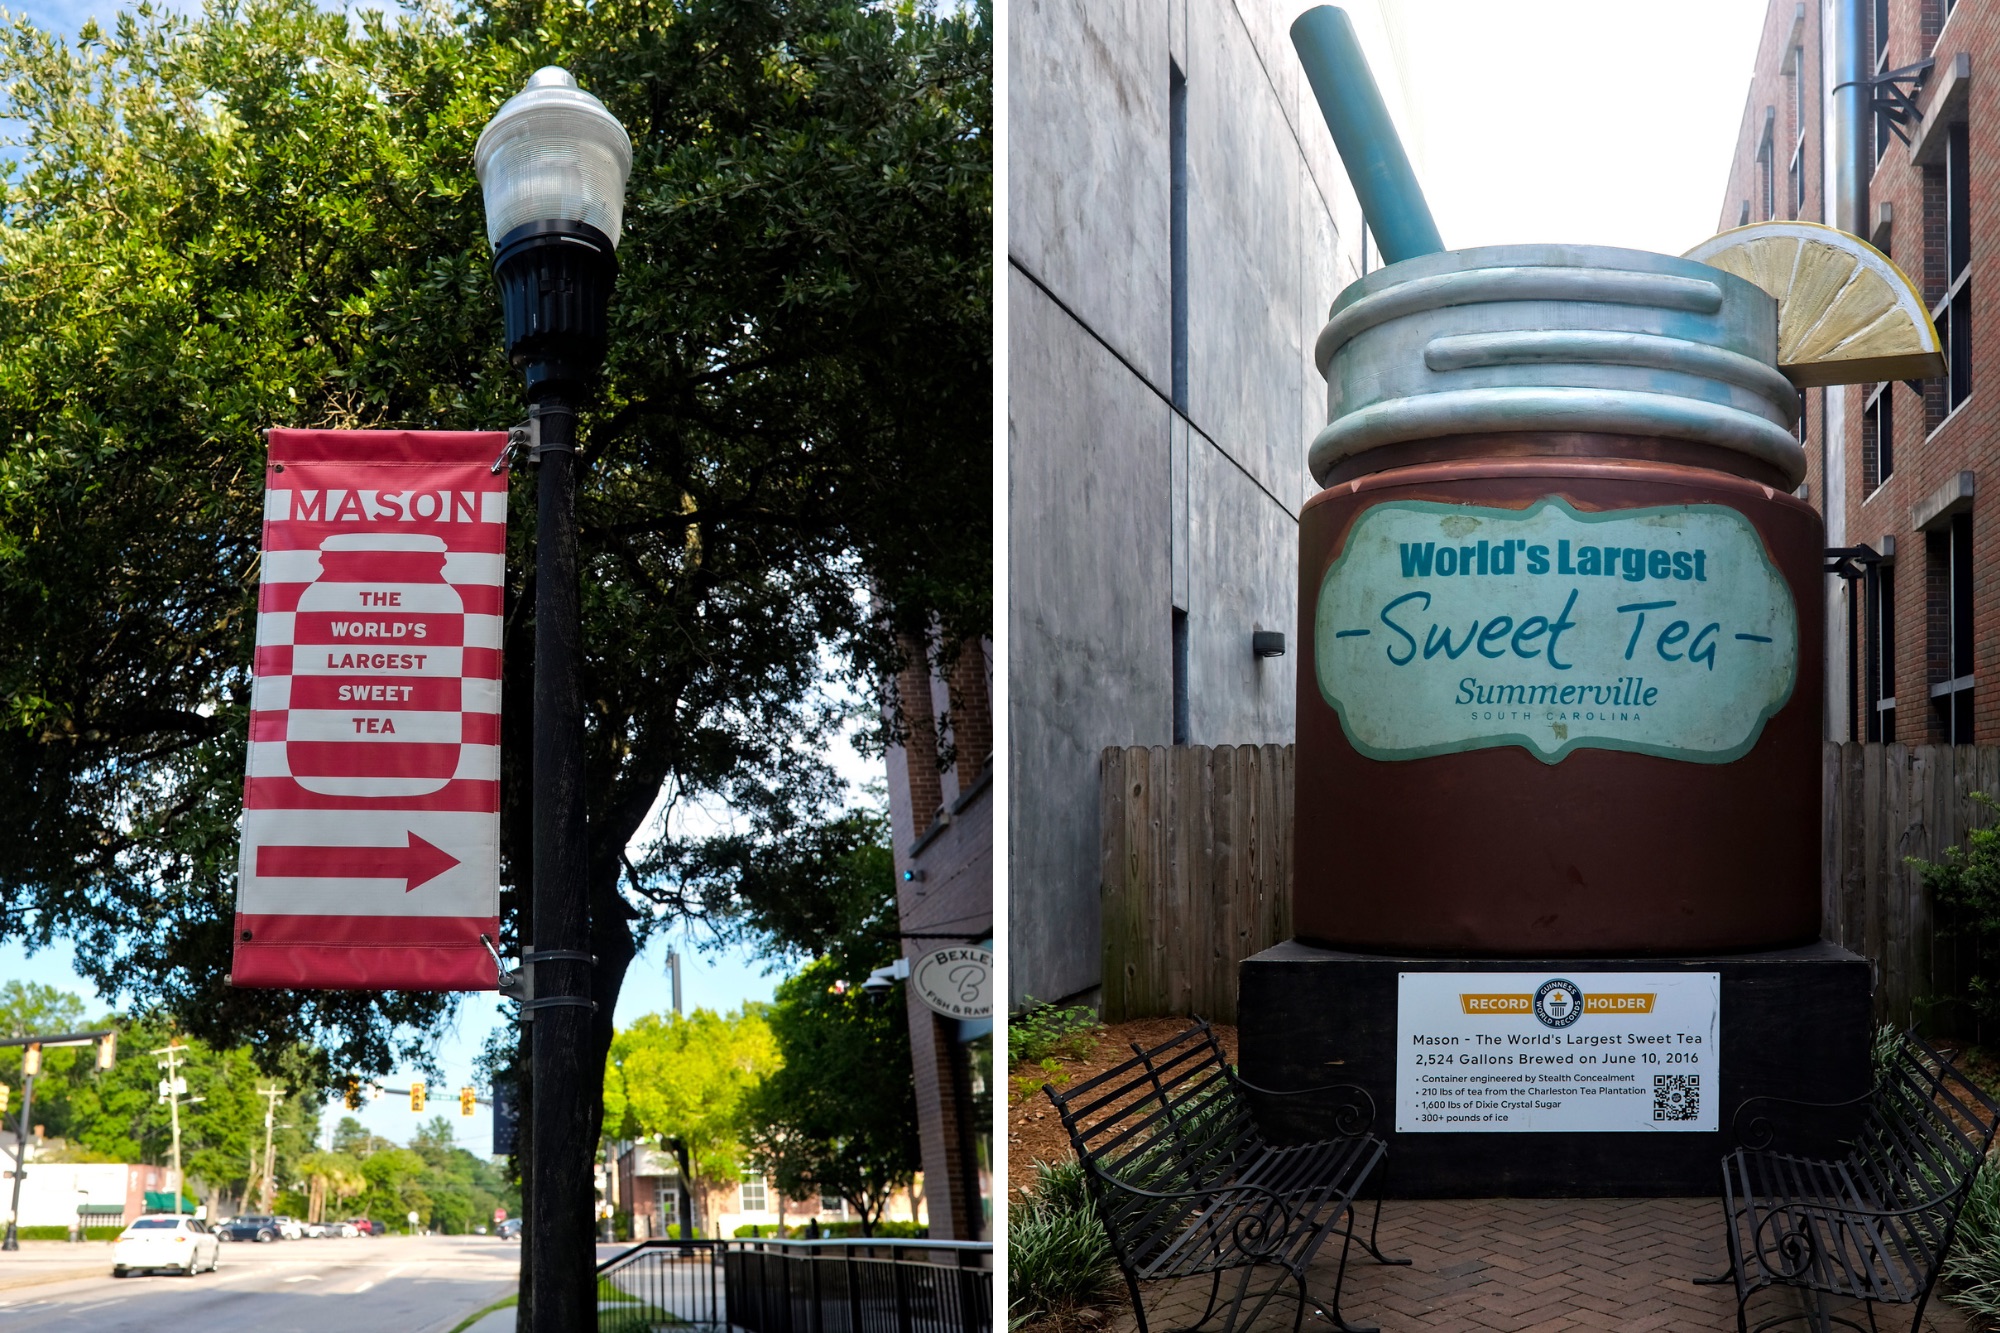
1187	1187
1873	1224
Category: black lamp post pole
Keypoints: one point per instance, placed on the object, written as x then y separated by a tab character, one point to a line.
555	282
564	1260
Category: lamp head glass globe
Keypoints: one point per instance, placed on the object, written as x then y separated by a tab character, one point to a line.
553	154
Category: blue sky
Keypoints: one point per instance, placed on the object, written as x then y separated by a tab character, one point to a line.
722	980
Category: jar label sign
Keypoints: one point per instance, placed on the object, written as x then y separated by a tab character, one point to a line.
1665	631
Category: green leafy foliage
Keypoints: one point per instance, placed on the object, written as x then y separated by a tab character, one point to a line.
1042	1032
1966	888
839	1117
1972	1271
266	215
683	1080
1058	1254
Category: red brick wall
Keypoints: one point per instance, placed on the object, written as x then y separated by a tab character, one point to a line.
1929	449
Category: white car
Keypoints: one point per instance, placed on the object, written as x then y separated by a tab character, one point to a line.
290	1227
162	1241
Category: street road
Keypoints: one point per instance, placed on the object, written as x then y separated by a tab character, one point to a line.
385	1284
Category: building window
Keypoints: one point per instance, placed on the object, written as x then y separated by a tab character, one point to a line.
1766	169
1181	728
1881	27
1796	194
1882	654
833	1206
755	1199
1878	439
1954	313
1177	154
1951	629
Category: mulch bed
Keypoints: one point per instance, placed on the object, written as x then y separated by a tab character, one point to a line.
1035	1132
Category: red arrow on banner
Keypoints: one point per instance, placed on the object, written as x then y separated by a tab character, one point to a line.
419	862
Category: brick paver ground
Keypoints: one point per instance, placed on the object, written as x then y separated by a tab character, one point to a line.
1536	1266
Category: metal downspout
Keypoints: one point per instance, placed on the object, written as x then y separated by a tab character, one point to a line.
1850	147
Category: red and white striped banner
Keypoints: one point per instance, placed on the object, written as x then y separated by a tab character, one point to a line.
371	805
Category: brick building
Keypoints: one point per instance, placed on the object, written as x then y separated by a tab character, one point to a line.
941	820
1895	467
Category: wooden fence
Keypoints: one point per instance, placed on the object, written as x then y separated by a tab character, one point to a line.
1881	805
1197	873
1197	868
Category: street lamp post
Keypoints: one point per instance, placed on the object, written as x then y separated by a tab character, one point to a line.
552	166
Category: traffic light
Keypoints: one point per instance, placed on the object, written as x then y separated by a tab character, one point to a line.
465	1100
353	1098
107	1050
31	1059
417	1094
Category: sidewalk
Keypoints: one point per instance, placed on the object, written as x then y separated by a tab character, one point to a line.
1536	1266
39	1261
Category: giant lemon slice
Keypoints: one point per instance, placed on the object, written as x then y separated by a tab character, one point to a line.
1846	313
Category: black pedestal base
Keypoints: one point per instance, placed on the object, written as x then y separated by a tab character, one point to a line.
1793	1023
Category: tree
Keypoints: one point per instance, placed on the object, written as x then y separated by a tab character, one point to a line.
680	1081
833	1118
267	215
329	1173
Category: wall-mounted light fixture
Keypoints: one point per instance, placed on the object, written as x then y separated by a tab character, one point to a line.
1267	642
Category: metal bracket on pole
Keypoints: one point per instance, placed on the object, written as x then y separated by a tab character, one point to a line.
523	441
519	983
1889	99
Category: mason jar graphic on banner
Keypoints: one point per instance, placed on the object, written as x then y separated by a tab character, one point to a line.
376	707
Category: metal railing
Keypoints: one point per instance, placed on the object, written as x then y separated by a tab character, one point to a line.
798	1286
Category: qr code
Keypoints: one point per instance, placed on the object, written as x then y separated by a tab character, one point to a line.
1676	1096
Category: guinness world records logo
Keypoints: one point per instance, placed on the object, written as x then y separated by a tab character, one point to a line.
1558	1003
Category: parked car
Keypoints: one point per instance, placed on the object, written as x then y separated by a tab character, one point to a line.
342	1230
290	1227
368	1227
509	1229
261	1229
164	1241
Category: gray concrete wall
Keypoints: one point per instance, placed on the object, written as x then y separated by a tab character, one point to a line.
1120	507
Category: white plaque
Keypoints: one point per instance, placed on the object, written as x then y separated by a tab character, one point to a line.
1556	1052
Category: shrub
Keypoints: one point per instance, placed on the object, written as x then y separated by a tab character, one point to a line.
884	1230
1058	1255
1043	1031
1966	888
1972	1273
62	1233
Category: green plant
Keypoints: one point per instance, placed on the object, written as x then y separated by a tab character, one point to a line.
1058	1255
1044	1031
62	1233
1972	1272
1883	1049
1966	887
1053	1075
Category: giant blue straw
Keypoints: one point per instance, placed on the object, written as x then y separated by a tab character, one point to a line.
1391	199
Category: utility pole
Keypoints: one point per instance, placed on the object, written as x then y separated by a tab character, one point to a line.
172	1088
674	967
271	1096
